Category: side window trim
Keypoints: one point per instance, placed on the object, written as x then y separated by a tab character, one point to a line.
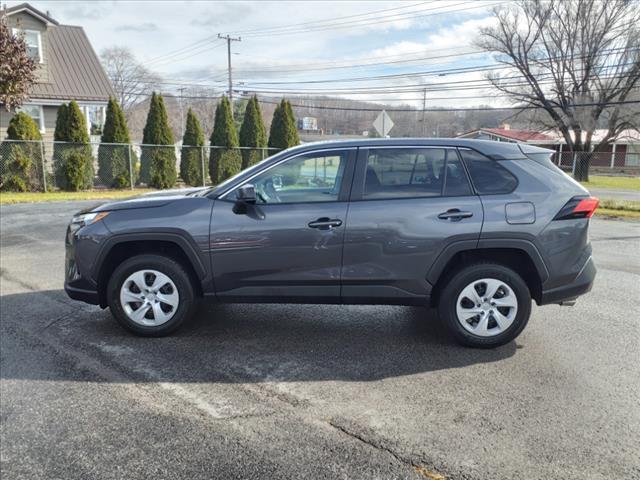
465	168
357	189
346	180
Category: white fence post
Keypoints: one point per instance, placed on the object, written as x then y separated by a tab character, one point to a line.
130	165
44	167
613	155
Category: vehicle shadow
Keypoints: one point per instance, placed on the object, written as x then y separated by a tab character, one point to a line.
245	343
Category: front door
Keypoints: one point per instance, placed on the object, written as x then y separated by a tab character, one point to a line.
407	205
288	246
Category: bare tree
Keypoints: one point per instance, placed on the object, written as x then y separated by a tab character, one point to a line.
131	80
577	60
17	68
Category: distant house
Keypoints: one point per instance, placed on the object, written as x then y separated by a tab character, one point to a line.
506	134
68	69
623	152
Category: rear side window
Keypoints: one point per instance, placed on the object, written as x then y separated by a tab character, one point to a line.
414	172
488	176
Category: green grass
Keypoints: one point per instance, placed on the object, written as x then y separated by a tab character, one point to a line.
619	208
621	183
8	198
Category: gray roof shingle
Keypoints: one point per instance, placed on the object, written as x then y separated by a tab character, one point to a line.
75	72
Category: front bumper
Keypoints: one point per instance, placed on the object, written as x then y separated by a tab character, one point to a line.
579	286
87	296
81	246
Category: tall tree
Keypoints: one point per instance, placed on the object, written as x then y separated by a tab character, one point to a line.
21	161
239	109
114	164
17	68
128	76
158	163
283	133
224	159
253	134
73	162
577	60
192	154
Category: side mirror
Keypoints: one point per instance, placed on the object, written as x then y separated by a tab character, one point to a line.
246	193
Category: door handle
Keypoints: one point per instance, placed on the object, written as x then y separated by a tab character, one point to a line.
455	215
325	223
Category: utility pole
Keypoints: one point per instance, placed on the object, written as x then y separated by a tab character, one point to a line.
424	111
229	40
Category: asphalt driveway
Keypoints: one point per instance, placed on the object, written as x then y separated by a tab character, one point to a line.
282	391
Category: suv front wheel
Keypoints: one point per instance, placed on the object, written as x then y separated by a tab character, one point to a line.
150	295
485	305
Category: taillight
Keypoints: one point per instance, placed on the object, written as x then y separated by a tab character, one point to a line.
578	207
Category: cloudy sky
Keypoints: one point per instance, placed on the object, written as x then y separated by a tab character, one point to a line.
293	47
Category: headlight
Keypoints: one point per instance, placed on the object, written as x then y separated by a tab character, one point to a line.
88	218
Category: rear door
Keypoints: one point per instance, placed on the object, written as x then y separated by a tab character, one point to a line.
407	204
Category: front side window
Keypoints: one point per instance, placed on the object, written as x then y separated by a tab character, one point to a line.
414	172
488	176
33	41
35	112
308	178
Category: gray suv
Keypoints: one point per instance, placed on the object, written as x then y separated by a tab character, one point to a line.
476	229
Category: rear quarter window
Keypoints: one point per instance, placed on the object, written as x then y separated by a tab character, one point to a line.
488	176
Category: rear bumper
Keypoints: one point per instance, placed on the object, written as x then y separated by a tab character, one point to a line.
580	285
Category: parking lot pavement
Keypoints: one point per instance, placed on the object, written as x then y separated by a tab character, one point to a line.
292	391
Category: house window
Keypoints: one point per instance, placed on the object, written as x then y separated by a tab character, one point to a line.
34	42
35	112
95	118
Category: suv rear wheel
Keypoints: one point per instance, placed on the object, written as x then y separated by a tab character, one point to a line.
485	305
150	295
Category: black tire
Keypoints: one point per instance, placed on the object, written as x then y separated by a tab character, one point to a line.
464	277
169	267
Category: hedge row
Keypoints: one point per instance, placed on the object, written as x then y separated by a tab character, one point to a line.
21	163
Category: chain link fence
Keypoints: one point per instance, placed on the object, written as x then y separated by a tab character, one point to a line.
598	162
27	165
49	165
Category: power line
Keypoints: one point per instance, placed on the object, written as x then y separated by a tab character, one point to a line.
245	32
438	73
195	51
181	51
342	25
199	43
412	88
473	85
377	57
382	88
361	65
470	109
439	109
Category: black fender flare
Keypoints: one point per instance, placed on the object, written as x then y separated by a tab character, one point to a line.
438	267
183	241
